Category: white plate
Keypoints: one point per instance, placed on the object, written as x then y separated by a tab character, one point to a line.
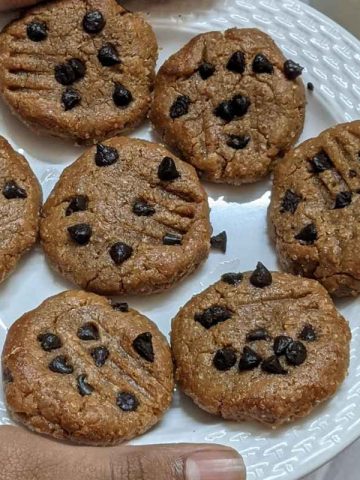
332	60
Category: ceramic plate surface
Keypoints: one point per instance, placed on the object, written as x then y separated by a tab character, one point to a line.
331	57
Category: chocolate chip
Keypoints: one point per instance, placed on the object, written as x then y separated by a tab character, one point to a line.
352	173
290	202
105	155
206	70
37	31
70	99
308	234
180	106
60	365
238	142
249	359
212	316
236	62
261	64
144	347
93	22
343	199
219	241
308	333
224	359
122	96
232	278
127	402
225	110
78	67
7	376
120	306
49	341
88	331
292	69
281	343
77	204
321	162
108	55
172	239
310	86
273	365
100	355
143	209
83	387
80	233
261	277
167	170
12	190
69	72
120	252
257	334
240	105
296	353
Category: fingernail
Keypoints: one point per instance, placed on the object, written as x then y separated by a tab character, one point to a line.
214	464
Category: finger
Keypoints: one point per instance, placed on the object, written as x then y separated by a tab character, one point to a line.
30	456
13	4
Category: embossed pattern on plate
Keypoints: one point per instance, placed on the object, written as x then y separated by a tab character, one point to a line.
332	60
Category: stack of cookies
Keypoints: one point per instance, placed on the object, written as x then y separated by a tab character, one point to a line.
132	217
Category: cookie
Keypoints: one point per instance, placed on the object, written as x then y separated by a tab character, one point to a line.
80	369
260	346
126	217
78	69
20	200
315	208
230	103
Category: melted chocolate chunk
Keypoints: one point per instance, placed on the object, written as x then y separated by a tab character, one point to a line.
172	239
261	277
105	155
236	62
343	199
80	233
308	333
321	162
308	235
273	365
108	55
310	86
127	402
7	376
77	204
100	355
292	69
88	331
206	70
60	365
290	202
241	105
70	99
212	316
37	31
144	347
120	306
257	334
261	64
281	343
180	107
232	278
78	67
120	252
224	359
296	353
249	359
225	110
69	72
219	241
143	209
167	171
238	142
12	190
49	341
83	387
93	22
122	96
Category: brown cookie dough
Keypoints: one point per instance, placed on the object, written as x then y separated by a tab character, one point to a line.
126	217
315	208
80	69
230	103
20	200
260	346
80	369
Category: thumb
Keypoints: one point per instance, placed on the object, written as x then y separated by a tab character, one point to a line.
13	4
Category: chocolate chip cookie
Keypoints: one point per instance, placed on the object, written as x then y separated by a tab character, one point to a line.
126	217
80	69
260	346
81	369
230	103
315	208
20	200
